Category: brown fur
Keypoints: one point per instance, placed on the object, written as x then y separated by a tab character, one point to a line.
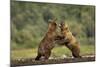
46	45
70	40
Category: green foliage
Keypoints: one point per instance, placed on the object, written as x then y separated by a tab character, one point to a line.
29	22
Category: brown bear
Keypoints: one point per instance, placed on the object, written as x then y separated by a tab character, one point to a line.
47	43
69	40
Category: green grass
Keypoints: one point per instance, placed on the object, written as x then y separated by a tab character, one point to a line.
87	49
23	53
57	52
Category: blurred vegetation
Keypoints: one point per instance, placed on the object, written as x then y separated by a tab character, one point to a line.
29	22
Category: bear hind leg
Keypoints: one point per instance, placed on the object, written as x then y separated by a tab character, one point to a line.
47	55
38	57
76	55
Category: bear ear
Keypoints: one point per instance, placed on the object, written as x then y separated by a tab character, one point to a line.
62	23
54	19
49	20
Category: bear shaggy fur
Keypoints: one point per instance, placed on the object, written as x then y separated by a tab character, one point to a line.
69	40
47	43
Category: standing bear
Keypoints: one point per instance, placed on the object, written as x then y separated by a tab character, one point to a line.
47	43
69	40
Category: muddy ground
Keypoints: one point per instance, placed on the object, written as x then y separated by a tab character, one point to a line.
31	61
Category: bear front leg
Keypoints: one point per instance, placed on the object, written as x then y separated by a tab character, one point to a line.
59	37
